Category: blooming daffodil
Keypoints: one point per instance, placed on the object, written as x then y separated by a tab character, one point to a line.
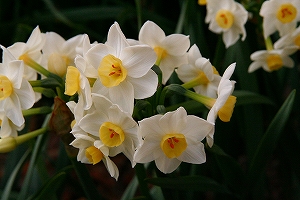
171	139
170	50
227	17
281	15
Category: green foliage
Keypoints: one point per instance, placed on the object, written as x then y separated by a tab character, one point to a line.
264	127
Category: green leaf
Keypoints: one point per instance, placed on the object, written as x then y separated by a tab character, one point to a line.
48	191
189	183
7	190
269	141
131	189
247	97
231	171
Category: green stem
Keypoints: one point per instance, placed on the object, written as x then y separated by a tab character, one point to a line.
138	13
181	19
141	175
269	44
25	137
191	84
34	111
31	63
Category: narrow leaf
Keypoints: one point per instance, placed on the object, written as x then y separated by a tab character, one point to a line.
269	141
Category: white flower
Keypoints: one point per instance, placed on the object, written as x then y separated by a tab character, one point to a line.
224	104
271	60
171	139
8	128
290	39
92	151
32	49
16	92
281	15
227	17
200	73
115	128
124	71
76	82
171	50
59	53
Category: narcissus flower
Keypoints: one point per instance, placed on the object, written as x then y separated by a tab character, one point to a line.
92	151
170	50
29	50
59	53
7	127
171	139
199	74
16	94
281	15
290	39
76	82
271	60
116	129
227	17
124	71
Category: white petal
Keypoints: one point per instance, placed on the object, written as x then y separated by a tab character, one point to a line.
138	60
151	34
197	128
116	39
166	165
254	66
174	122
194	154
176	44
123	95
26	95
111	167
144	86
12	108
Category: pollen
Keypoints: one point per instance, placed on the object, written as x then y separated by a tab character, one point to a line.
5	87
224	18
274	62
286	13
111	71
93	154
111	134
72	83
173	145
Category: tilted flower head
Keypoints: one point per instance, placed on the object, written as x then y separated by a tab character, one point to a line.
115	128
199	72
224	104
171	139
92	151
227	17
281	15
59	53
76	82
31	49
124	71
271	60
290	39
16	92
170	50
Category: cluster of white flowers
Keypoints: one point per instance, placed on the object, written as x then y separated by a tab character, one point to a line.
107	78
229	18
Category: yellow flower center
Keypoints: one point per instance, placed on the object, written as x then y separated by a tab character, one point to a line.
58	64
72	81
202	2
173	145
93	154
5	87
161	54
286	13
224	18
226	111
297	40
274	62
111	135
111	71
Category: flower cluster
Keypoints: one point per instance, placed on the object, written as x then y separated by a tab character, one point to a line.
101	84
